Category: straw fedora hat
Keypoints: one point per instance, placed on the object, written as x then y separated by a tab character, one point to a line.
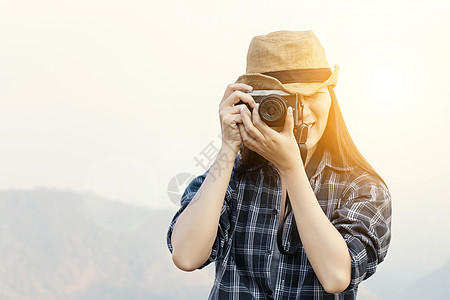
291	61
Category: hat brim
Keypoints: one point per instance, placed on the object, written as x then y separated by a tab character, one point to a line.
263	82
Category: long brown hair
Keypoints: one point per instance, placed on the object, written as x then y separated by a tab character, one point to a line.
336	139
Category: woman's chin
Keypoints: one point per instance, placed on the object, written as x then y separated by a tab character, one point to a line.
311	144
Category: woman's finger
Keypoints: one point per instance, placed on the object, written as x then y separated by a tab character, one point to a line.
289	122
232	120
249	127
233	110
233	87
236	97
248	141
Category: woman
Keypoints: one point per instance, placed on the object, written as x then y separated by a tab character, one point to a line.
276	226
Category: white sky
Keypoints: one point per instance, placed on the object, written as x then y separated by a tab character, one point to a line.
130	88
118	97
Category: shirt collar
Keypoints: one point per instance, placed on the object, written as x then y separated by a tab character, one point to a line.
326	161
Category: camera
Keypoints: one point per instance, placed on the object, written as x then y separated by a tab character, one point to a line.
273	106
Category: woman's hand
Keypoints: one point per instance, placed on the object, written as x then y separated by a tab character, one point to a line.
278	147
230	115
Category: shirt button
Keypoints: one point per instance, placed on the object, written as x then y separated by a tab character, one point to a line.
274	212
268	251
269	293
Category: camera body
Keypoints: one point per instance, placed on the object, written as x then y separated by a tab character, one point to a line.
273	106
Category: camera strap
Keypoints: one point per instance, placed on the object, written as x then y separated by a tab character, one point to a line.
301	135
295	237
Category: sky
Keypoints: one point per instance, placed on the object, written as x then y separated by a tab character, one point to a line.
120	98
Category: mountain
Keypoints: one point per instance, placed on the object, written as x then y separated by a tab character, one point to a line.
58	244
434	285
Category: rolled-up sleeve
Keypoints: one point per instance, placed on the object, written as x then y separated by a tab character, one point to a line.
364	220
224	222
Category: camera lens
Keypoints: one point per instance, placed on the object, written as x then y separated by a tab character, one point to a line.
272	110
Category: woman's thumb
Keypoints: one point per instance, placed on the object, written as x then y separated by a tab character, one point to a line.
289	121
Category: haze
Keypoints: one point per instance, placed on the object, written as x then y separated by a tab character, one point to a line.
119	97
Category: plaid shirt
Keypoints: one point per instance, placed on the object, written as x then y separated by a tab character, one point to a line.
357	204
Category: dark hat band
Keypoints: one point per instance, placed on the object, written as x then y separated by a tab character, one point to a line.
301	75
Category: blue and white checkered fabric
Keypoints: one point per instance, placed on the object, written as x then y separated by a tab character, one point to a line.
357	204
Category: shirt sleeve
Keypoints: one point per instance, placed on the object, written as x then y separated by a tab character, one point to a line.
364	220
222	237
